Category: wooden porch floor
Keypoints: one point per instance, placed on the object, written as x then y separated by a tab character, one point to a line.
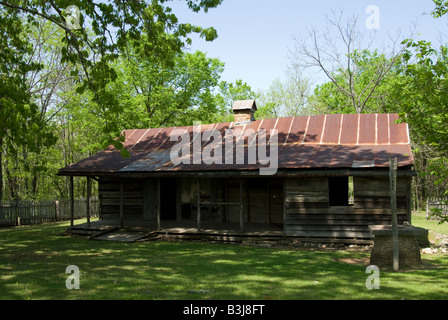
183	229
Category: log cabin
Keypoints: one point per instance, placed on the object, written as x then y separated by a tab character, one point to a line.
313	177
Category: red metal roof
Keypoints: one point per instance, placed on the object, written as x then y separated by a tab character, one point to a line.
318	142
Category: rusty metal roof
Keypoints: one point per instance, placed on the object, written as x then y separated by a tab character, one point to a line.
306	142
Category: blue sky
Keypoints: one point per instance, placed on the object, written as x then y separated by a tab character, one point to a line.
255	36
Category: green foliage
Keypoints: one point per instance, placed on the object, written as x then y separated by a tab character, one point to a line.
85	85
285	98
425	105
19	116
22	129
92	52
373	77
426	90
427	87
156	94
440	9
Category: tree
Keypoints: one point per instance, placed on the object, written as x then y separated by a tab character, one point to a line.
20	123
270	103
34	109
91	53
424	105
286	98
342	64
157	94
328	98
427	88
426	110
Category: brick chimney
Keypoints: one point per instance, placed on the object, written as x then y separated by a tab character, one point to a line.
244	110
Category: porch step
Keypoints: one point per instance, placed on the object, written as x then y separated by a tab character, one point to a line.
122	236
85	231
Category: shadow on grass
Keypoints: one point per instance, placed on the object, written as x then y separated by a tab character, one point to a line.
33	261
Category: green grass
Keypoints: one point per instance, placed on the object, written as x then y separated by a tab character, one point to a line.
419	219
33	260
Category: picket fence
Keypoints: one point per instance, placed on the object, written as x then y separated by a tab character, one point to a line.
14	213
438	204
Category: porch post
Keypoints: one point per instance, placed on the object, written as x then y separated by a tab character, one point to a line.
393	207
158	204
89	190
198	184
284	207
241	207
121	205
268	200
72	202
409	199
178	200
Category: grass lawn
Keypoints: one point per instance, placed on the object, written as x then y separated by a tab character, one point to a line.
419	219
33	260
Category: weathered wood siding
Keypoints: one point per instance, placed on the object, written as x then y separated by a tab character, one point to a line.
304	207
211	193
109	193
150	199
262	200
276	201
309	214
374	193
233	196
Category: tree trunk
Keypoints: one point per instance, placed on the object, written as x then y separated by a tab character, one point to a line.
1	172
424	193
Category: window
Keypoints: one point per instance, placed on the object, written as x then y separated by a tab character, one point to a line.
339	190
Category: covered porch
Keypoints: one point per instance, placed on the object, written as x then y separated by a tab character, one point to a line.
186	208
221	231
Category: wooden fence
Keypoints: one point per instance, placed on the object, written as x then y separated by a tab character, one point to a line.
13	213
436	207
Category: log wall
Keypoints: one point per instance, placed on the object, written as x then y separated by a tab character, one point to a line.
262	199
302	204
308	212
109	193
